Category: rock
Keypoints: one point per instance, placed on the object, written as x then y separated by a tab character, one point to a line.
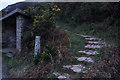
62	77
56	74
67	66
9	55
77	68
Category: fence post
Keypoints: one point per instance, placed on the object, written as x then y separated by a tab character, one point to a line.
37	45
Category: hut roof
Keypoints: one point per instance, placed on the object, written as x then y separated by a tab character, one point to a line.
14	12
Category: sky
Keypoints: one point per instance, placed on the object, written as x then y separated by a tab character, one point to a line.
5	3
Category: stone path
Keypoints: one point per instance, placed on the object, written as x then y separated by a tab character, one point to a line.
90	49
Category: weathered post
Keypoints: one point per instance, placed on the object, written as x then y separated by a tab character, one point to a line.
37	45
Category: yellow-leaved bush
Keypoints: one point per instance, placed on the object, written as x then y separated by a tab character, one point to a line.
43	17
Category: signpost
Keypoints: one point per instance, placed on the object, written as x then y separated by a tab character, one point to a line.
37	45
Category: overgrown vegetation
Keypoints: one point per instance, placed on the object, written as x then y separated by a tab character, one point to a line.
53	41
47	56
16	66
58	47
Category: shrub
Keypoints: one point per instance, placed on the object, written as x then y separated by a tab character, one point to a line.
43	25
43	18
37	58
47	56
51	50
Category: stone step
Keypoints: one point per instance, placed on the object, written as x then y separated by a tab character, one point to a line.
85	59
93	46
89	52
95	42
61	76
86	36
93	39
75	68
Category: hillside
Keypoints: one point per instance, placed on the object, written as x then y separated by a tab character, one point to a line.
99	17
78	40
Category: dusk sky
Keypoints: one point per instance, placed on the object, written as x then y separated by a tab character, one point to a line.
5	3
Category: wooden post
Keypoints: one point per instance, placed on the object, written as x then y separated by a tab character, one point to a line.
37	45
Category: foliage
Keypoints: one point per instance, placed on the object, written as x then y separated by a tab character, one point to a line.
49	53
88	12
52	53
51	50
43	25
16	65
43	18
79	74
88	18
37	58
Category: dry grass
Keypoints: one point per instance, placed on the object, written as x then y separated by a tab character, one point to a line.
60	40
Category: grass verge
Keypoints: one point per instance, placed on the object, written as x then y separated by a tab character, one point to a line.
15	66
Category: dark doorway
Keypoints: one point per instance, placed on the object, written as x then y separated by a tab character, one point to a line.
9	33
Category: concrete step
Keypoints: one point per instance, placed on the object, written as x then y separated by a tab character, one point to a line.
95	42
92	39
86	36
61	76
93	46
89	52
84	59
75	68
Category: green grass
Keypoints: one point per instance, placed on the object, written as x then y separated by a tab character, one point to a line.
87	63
16	64
70	61
79	74
77	42
7	60
97	57
93	30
